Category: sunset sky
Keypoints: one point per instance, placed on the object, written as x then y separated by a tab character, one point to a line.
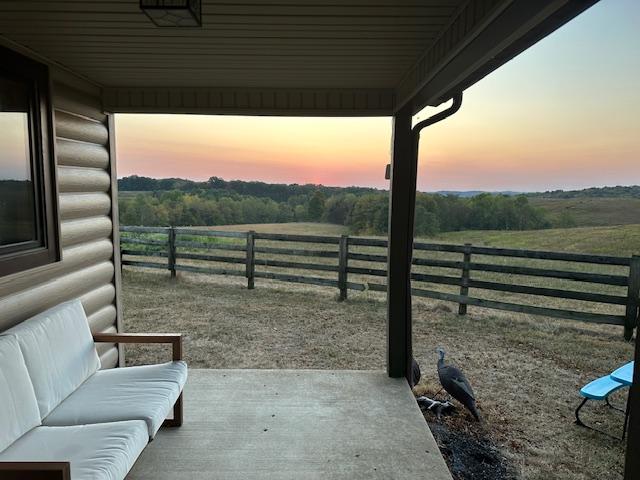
564	114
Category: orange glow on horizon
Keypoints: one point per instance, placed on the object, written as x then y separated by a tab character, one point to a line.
331	151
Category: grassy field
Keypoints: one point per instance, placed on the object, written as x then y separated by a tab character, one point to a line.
301	228
623	240
592	212
526	370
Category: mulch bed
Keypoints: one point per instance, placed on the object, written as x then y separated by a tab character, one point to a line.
466	447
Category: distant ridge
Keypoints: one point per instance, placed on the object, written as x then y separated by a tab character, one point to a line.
475	193
617	191
278	192
592	192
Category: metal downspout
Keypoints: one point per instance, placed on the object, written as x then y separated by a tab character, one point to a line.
438	117
415	132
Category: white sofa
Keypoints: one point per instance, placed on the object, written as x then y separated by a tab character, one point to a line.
61	414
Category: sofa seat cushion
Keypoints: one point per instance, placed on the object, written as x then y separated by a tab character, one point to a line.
58	351
97	452
130	393
18	406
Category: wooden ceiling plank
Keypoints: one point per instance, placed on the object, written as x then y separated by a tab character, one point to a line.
260	3
427	27
283	21
35	32
238	9
232	60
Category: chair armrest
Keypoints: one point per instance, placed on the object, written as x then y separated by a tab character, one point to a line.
35	470
175	339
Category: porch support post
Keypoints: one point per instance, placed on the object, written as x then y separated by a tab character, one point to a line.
632	464
402	198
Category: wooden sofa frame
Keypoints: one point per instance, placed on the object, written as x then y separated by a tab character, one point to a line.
62	470
175	339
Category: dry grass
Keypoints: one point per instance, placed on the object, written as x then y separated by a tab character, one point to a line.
592	211
621	240
274	326
294	228
526	370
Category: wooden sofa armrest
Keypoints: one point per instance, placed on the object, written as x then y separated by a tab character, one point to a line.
35	470
175	339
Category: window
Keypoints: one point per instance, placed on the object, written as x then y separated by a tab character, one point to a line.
28	217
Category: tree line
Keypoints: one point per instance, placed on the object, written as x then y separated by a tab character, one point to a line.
364	212
216	186
437	213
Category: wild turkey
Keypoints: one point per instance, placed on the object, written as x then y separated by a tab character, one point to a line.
415	373
456	384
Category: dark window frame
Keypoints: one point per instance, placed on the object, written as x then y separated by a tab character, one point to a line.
19	257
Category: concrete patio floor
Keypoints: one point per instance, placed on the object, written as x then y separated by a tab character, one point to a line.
294	424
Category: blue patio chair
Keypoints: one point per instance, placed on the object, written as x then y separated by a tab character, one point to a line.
600	389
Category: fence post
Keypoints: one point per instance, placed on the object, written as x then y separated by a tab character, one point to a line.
464	284
633	297
250	263
171	253
343	260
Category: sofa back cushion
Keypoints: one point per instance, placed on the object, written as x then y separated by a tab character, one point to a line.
18	407
58	351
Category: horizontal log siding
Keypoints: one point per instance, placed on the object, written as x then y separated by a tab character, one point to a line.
102	319
84	183
84	230
81	154
82	205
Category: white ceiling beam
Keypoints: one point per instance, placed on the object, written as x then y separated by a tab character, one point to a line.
250	101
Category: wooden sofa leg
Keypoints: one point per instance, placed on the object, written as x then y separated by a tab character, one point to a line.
176	421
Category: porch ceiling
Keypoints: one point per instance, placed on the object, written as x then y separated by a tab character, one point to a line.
283	56
257	43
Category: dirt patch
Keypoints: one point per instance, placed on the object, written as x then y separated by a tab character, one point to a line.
470	455
466	445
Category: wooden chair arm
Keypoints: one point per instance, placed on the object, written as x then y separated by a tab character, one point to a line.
35	470
175	339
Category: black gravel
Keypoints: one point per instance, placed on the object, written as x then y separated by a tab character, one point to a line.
470	455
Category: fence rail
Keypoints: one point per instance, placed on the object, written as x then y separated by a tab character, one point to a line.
255	255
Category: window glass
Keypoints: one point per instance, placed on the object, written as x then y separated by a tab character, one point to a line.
18	219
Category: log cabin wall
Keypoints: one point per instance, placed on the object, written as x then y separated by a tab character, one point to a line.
87	195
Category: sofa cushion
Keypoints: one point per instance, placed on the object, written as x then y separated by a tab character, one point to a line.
58	351
18	407
130	393
97	452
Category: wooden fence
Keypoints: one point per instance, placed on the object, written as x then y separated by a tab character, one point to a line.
353	263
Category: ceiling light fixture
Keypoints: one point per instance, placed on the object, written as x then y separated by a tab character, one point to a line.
173	13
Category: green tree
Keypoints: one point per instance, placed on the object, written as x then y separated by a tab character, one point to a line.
337	208
370	214
426	223
300	213
316	206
